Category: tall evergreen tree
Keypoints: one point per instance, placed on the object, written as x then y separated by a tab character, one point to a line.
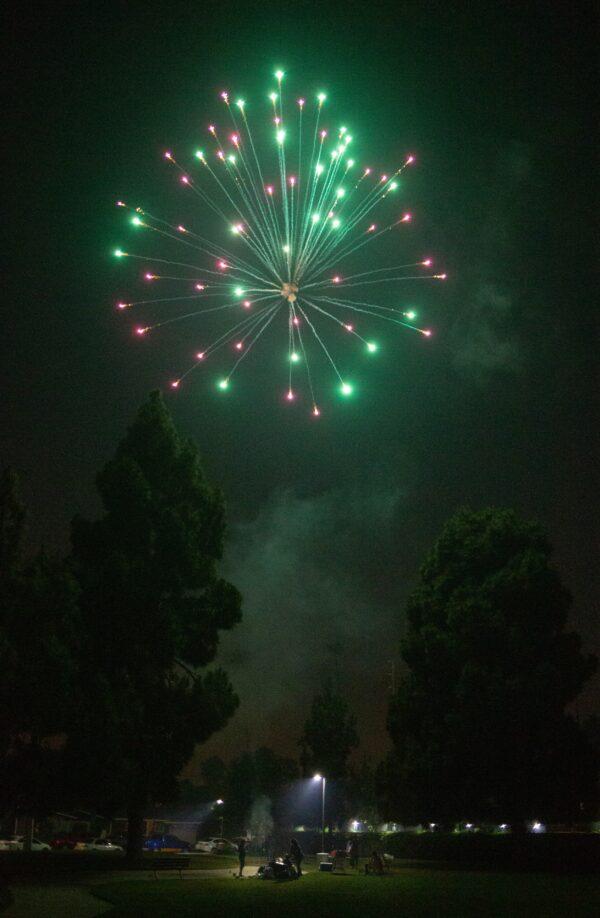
328	738
214	775
362	792
261	775
39	639
329	734
479	724
153	606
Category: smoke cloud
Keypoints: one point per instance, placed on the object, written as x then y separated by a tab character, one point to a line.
305	567
485	335
486	332
260	821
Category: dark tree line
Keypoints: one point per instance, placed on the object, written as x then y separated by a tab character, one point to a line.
103	655
253	786
480	725
39	642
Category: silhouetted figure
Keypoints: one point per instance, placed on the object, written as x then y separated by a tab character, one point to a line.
296	855
352	852
242	854
338	859
374	864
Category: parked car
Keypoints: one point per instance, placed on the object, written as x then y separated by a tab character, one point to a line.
103	845
65	841
216	846
225	846
7	844
206	845
82	842
17	843
166	843
120	840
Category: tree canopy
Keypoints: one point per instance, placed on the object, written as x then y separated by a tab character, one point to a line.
329	735
39	640
252	785
328	738
479	724
153	606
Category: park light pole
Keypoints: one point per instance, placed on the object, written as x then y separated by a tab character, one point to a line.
220	802
321	778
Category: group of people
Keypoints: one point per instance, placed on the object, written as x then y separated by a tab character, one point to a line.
285	866
374	864
340	855
292	860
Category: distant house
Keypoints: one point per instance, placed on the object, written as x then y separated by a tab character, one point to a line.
187	823
77	823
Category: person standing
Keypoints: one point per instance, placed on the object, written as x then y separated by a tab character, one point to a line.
296	855
352	851
375	864
242	854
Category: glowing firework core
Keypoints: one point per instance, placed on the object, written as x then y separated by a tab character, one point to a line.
289	292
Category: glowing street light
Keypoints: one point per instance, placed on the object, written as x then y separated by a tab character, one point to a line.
319	777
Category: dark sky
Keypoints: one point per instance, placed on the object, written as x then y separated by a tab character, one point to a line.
329	520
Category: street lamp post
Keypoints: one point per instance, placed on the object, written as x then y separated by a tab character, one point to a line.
220	802
323	782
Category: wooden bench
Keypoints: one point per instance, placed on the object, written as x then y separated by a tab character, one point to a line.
181	862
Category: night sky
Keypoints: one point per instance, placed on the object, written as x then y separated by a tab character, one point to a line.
328	520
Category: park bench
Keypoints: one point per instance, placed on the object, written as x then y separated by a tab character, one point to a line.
181	862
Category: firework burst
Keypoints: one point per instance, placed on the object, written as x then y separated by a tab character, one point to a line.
296	248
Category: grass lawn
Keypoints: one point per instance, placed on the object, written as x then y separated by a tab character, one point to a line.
411	893
217	861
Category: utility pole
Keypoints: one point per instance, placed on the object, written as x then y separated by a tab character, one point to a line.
322	779
220	803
